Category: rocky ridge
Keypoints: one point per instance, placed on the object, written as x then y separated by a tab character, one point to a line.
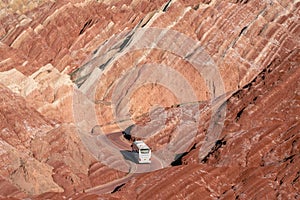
255	45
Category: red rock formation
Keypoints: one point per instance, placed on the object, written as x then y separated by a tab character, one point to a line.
63	33
38	156
17	131
29	42
259	140
255	45
258	152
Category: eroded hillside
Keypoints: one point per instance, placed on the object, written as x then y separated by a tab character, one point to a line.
175	66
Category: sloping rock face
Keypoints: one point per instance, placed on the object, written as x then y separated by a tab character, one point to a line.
258	148
63	33
240	38
41	150
47	90
41	156
257	155
18	165
49	50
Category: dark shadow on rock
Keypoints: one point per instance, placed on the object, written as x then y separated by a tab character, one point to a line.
127	133
118	188
178	159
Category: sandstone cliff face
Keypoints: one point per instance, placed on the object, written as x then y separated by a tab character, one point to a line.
47	90
38	49
223	29
40	156
48	50
257	155
18	165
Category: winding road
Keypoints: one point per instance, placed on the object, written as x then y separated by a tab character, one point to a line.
135	169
